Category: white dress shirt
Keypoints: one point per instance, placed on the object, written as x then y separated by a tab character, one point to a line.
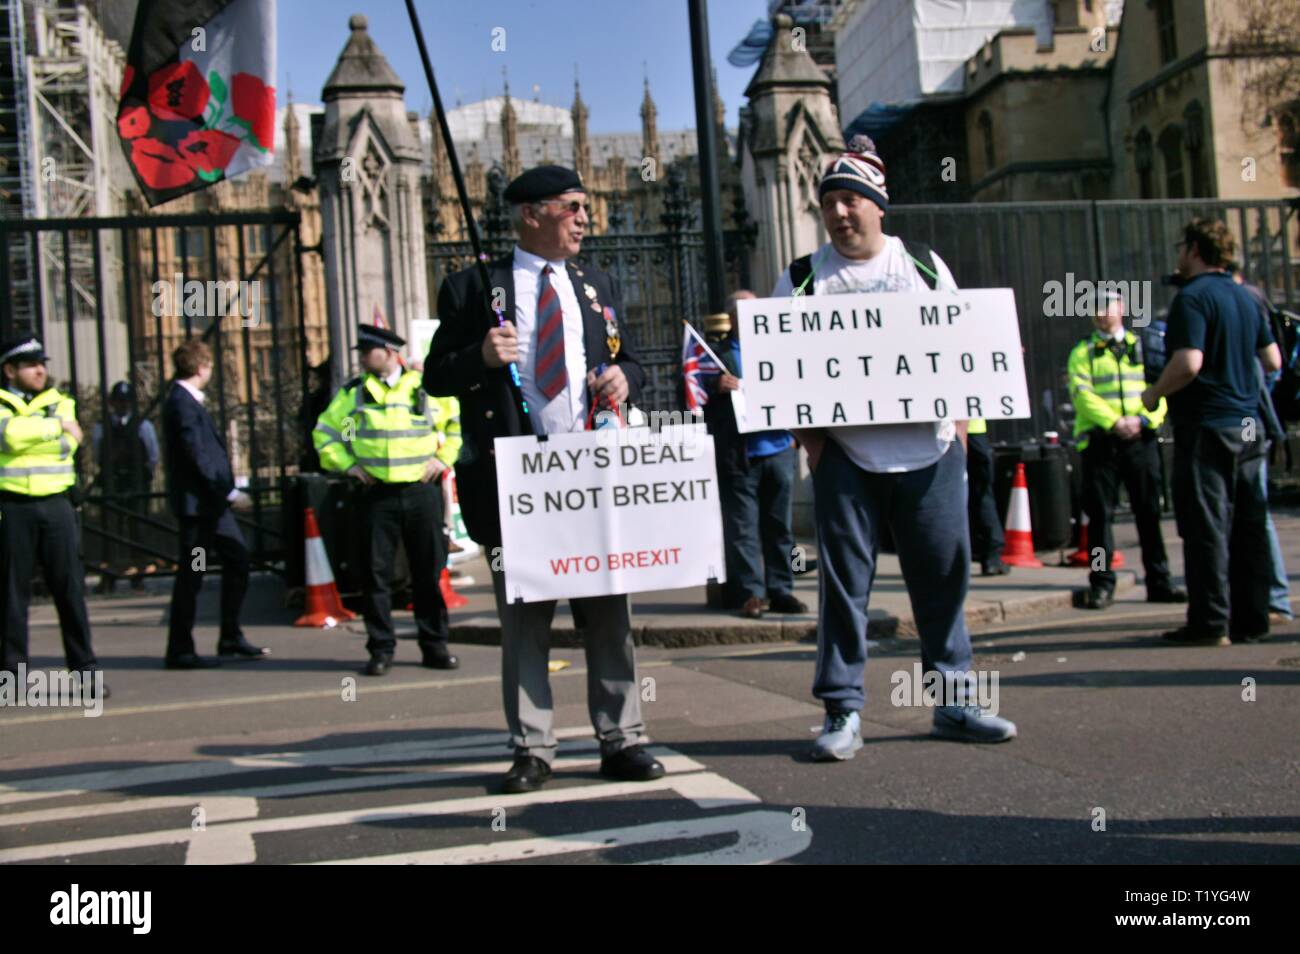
567	411
194	392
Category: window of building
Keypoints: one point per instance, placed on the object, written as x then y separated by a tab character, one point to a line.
1287	118
254	240
1165	31
195	245
1171	152
1142	160
1194	139
985	123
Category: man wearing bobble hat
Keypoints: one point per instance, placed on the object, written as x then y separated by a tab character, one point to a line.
908	477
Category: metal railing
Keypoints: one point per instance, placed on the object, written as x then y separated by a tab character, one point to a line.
98	315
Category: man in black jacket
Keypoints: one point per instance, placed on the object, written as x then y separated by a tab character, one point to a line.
559	325
201	489
756	475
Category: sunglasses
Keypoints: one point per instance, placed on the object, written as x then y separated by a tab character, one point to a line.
568	208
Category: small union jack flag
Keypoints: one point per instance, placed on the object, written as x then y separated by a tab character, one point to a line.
697	361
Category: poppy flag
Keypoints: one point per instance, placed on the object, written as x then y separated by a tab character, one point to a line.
197	102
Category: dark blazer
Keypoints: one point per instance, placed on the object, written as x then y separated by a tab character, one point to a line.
199	477
488	407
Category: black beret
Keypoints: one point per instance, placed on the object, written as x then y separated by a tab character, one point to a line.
371	336
26	348
542	183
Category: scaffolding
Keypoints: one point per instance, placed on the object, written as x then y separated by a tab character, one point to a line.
59	138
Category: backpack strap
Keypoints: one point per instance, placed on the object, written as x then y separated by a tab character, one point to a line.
922	257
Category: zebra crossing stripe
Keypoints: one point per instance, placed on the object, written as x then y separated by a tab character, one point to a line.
764	836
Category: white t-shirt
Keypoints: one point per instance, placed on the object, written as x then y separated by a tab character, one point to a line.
880	448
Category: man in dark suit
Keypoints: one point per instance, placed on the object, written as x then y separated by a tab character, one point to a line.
201	488
562	333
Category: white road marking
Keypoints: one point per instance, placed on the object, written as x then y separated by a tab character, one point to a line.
230	843
233	820
764	836
466	746
366	689
217	807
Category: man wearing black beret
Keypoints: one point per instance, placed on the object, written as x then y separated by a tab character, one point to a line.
560	326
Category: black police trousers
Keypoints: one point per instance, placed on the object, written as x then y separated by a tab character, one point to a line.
986	537
44	530
1108	460
410	513
1223	519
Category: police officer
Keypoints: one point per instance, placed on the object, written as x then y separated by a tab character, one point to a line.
1116	437
986	537
130	451
383	430
126	449
38	436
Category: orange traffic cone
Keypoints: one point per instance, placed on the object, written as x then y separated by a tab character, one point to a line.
324	607
449	596
1019	549
1083	556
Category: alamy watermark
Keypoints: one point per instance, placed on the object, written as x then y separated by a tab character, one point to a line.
959	688
36	688
211	299
1084	298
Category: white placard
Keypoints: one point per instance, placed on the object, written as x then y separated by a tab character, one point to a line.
617	510
421	332
881	358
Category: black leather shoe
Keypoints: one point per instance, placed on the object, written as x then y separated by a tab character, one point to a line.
440	658
242	650
787	603
1250	637
632	764
1166	594
994	567
190	661
1096	599
379	664
1185	636
88	676
528	774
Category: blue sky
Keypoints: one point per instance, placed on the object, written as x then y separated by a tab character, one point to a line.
608	39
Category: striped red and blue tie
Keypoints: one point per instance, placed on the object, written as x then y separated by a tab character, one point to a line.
551	374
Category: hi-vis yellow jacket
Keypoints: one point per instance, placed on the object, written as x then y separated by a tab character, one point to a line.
35	453
1104	389
390	432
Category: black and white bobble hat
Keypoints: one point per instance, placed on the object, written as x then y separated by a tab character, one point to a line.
858	169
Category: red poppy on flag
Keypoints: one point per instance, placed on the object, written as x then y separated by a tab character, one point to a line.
197	98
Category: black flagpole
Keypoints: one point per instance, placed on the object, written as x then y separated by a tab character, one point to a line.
480	259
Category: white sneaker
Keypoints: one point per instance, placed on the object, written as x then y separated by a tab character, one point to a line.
841	737
971	724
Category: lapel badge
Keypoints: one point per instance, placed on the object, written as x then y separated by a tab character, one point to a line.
589	291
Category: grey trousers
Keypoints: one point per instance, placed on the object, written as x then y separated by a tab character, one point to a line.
613	696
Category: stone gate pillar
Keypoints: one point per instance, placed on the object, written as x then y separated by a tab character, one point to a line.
367	157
